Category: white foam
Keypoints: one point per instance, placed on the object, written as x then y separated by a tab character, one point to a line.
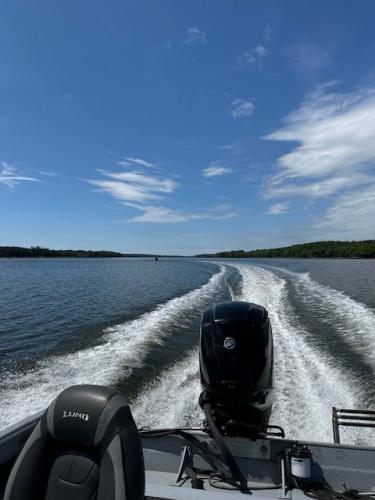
353	320
308	383
126	344
172	400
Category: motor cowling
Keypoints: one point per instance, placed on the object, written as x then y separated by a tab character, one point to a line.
236	364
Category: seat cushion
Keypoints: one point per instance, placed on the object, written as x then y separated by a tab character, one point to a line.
74	477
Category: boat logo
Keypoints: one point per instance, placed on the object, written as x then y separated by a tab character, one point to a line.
229	343
75	414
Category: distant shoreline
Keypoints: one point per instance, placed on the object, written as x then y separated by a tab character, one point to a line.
11	252
316	250
290	257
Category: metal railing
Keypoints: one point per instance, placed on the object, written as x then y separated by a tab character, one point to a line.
350	418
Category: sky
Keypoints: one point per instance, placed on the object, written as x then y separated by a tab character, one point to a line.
186	127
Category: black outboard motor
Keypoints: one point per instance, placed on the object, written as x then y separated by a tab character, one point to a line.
236	367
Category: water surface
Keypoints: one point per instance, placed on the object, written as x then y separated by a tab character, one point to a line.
134	324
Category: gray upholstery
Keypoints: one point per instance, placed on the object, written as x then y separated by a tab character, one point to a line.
85	447
73	477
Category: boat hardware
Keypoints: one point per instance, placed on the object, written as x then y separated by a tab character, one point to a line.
187	467
350	418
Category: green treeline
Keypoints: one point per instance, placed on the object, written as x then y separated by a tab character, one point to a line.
46	252
319	249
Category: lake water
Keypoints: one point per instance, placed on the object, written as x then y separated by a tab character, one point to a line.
134	324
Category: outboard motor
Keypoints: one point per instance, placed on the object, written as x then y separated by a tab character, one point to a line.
236	367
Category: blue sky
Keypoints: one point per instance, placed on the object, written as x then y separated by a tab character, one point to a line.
184	127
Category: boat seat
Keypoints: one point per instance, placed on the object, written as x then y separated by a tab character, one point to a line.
85	447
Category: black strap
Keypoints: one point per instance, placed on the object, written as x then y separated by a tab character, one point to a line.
227	455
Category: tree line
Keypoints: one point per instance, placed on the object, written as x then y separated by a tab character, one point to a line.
9	251
319	249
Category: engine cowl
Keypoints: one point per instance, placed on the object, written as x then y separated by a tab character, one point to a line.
236	362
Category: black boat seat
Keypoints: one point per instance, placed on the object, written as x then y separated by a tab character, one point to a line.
85	447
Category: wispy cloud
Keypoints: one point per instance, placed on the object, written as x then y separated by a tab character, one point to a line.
147	193
136	161
241	108
253	57
216	171
319	189
152	183
352	215
47	173
334	132
124	192
267	34
195	35
163	215
233	148
334	157
157	215
278	208
133	186
10	176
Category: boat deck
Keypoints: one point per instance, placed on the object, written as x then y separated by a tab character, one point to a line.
173	459
335	467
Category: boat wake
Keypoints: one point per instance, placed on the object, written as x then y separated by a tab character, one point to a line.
310	376
309	381
172	400
23	394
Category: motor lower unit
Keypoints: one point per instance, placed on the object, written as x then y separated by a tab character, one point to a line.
236	366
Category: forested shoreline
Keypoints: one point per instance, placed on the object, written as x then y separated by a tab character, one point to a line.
319	249
11	251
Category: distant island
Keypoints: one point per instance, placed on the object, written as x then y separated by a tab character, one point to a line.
319	249
8	251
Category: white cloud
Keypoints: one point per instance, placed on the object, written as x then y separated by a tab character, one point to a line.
163	215
138	178
253	57
333	157
278	209
134	186
352	215
158	215
140	191
194	35
124	192
216	171
123	163
136	161
335	136
320	189
10	176
241	108
47	174
233	148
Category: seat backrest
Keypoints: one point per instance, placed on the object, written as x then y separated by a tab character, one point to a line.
85	447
